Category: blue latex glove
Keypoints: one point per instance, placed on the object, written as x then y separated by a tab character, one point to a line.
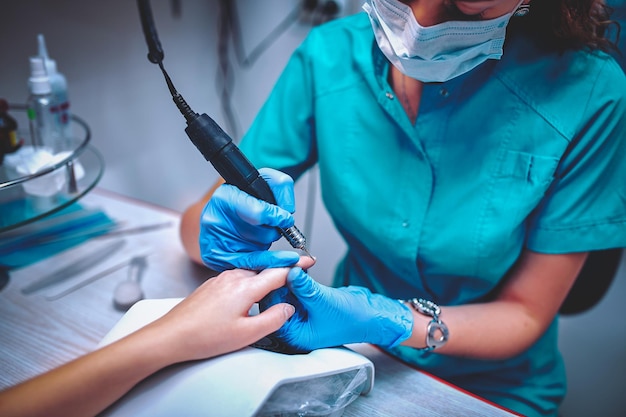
236	229
327	316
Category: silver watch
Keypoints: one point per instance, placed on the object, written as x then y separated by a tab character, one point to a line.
431	309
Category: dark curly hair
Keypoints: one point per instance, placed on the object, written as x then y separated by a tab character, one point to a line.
572	24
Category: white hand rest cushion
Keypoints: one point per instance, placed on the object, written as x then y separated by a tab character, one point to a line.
249	382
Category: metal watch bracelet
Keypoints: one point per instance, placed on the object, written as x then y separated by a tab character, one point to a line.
428	308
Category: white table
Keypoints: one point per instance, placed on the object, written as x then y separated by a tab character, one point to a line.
37	334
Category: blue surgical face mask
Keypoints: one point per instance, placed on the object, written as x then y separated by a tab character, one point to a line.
435	53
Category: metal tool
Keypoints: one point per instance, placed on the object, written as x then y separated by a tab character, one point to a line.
139	229
75	267
103	232
212	142
129	291
72	184
91	279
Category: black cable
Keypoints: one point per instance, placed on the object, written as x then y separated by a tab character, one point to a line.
229	25
176	8
248	61
155	52
224	80
214	144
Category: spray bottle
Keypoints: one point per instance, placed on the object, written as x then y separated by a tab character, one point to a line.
44	129
58	84
45	138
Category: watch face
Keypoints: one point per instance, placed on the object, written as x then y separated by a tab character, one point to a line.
437	334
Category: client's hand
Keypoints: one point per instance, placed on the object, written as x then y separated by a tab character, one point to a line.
214	319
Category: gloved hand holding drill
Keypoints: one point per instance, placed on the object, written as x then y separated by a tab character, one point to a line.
236	229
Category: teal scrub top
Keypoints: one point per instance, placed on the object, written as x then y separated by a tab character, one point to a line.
525	152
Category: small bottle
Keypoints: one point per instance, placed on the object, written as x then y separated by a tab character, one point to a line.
9	141
58	84
44	129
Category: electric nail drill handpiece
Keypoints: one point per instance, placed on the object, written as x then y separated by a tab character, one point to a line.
212	142
218	148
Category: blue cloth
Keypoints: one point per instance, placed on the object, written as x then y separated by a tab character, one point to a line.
525	152
51	235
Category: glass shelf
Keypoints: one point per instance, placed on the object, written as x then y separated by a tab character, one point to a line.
71	176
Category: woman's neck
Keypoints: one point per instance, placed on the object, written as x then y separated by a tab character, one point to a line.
408	90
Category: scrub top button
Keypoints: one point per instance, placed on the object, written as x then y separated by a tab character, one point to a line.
389	96
444	92
405	224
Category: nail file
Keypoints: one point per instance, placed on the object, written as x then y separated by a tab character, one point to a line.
74	268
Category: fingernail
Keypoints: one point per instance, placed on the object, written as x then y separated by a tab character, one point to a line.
289	310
